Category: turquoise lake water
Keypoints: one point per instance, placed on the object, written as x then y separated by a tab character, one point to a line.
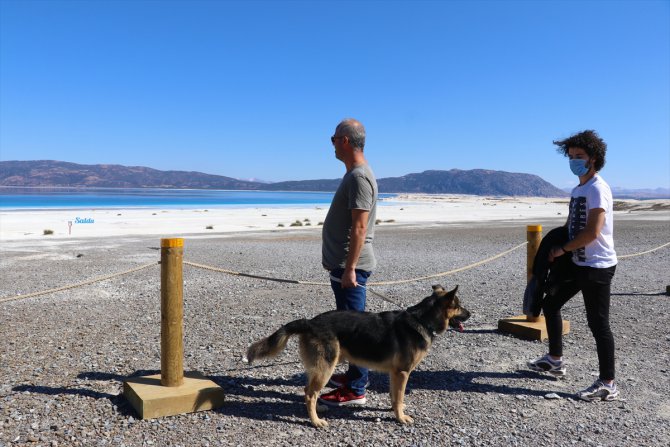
64	198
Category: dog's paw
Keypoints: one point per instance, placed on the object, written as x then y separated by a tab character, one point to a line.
404	419
319	423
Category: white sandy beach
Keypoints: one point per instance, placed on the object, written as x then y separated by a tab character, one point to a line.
404	209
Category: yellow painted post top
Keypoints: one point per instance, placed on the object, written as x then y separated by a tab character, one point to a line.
534	228
172	243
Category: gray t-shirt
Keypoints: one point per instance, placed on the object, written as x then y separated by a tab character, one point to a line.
358	190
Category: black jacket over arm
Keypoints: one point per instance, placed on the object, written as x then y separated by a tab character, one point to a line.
546	276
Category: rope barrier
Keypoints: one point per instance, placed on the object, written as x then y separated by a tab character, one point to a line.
388	283
80	284
450	272
249	275
644	252
380	283
295	281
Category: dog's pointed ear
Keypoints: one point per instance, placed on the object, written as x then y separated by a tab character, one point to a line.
449	296
438	288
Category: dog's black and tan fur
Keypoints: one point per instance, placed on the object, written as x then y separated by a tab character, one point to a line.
393	342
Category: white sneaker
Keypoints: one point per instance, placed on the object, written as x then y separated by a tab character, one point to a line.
546	364
599	390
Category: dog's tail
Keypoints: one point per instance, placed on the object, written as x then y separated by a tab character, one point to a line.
275	343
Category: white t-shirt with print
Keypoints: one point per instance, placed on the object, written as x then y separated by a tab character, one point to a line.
593	194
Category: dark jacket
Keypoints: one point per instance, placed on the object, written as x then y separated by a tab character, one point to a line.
546	276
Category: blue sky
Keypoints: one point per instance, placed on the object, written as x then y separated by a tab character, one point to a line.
255	89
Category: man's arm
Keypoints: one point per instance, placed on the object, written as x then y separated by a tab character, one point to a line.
594	225
359	228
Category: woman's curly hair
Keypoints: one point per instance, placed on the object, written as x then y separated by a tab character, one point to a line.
588	140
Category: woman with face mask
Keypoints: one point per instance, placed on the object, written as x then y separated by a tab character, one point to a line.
590	227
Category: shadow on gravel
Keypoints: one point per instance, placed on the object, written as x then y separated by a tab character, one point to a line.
640	294
103	376
480	331
123	408
57	391
468	381
259	399
249	397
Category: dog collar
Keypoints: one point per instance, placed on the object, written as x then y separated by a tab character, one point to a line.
417	326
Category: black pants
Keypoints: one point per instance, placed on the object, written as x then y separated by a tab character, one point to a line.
595	286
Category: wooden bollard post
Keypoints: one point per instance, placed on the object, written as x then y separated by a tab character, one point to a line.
172	312
534	237
173	391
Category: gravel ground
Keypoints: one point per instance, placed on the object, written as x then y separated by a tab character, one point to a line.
63	356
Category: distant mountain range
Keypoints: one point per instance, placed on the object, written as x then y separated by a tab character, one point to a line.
49	173
623	193
656	193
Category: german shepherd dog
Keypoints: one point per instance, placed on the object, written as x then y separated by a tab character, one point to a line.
394	342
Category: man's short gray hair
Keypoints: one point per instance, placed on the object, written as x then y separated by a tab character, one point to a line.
354	130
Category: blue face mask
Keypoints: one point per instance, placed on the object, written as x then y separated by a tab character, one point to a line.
579	167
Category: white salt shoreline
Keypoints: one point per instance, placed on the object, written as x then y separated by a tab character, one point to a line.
404	209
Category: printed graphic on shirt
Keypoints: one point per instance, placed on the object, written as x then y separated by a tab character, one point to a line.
577	223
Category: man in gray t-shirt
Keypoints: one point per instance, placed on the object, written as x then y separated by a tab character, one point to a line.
357	192
347	246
